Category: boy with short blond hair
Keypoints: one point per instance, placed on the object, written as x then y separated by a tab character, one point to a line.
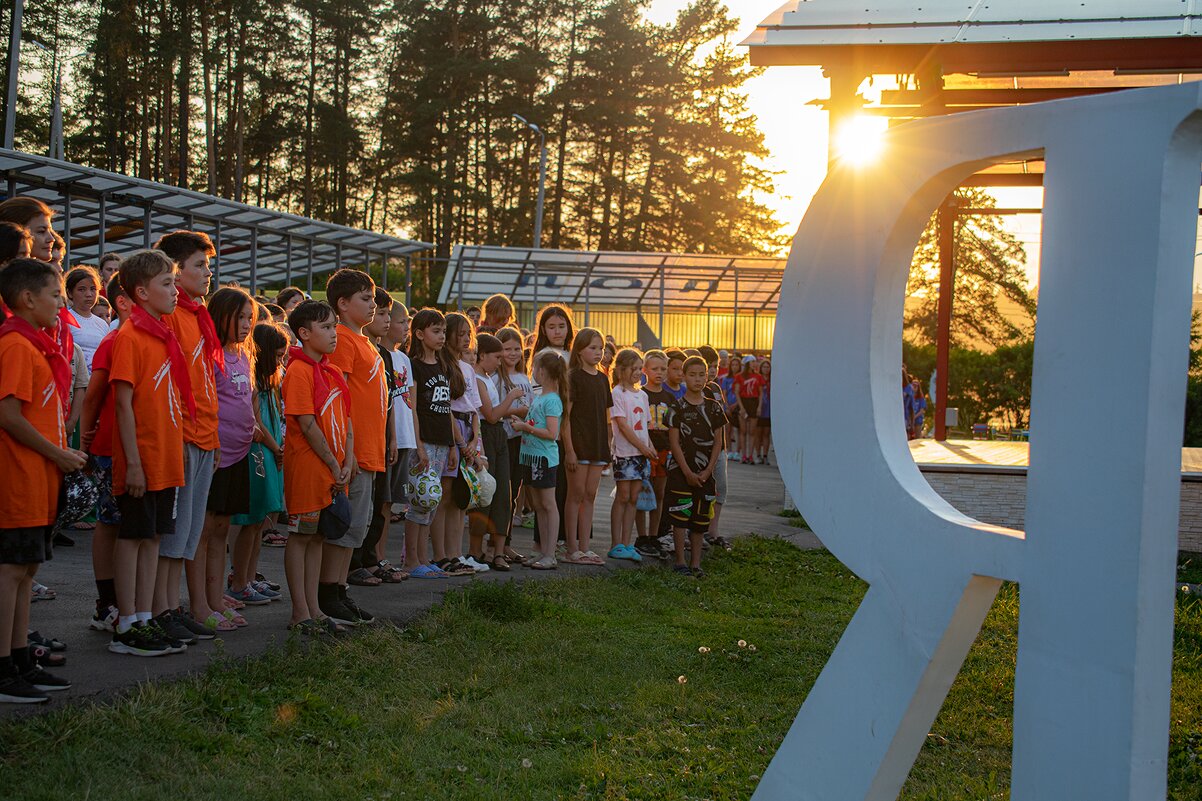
34	385
352	295
154	397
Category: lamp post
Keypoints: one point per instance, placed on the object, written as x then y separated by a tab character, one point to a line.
542	185
14	66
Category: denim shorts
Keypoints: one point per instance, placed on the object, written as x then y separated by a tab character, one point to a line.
632	468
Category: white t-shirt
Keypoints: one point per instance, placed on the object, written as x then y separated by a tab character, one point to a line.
490	386
519	406
632	406
402	370
91	330
469	401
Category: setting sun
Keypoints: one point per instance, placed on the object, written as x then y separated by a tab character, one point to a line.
859	139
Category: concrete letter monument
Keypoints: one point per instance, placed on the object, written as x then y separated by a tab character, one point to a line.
1095	566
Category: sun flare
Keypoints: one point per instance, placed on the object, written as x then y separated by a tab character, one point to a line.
859	139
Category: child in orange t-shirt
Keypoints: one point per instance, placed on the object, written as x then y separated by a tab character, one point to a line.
318	454
97	423
198	338
34	384
352	294
153	394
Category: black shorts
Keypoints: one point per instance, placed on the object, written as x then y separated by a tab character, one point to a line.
229	494
691	507
765	422
25	546
538	475
751	406
147	517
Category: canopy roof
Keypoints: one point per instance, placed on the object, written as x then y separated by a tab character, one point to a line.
1015	36
103	212
610	278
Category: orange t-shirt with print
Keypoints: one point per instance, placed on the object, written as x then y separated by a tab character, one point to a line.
307	479
201	432
29	493
360	362
141	360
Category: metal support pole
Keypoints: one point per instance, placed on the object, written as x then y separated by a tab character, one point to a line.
254	260
67	230
735	336
409	281
147	222
56	114
542	189
309	285
755	329
947	278
216	247
588	281
14	68
384	271
338	257
288	261
100	231
663	272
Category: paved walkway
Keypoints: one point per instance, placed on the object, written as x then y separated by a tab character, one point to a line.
754	503
997	453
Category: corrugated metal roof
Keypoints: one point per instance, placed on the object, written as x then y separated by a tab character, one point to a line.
826	23
698	281
256	245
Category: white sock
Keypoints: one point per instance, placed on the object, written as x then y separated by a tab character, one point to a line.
143	617
125	622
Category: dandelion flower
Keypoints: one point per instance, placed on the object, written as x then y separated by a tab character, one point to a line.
682	679
461	768
742	643
703	650
526	763
751	648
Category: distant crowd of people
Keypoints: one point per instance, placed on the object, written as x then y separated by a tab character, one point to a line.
197	425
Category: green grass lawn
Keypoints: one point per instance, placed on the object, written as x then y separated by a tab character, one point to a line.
574	688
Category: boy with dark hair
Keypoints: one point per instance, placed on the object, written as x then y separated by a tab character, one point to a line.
695	436
318	454
714	390
675	379
190	320
368	566
34	384
352	294
153	392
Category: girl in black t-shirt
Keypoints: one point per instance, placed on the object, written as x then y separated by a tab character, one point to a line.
586	442
434	436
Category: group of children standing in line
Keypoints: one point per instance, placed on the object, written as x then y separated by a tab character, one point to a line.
200	411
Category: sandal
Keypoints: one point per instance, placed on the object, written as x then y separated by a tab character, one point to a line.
43	656
218	622
362	577
546	563
388	574
272	538
574	558
46	642
499	562
235	618
42	593
591	558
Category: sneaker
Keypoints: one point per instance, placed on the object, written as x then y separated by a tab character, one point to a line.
667	545
199	630
249	596
474	564
14	689
104	620
138	641
528	520
263	589
173	629
333	608
682	570
647	546
46	682
361	614
271	585
174	644
698	573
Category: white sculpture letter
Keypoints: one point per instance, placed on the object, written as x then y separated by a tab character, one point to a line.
1096	564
